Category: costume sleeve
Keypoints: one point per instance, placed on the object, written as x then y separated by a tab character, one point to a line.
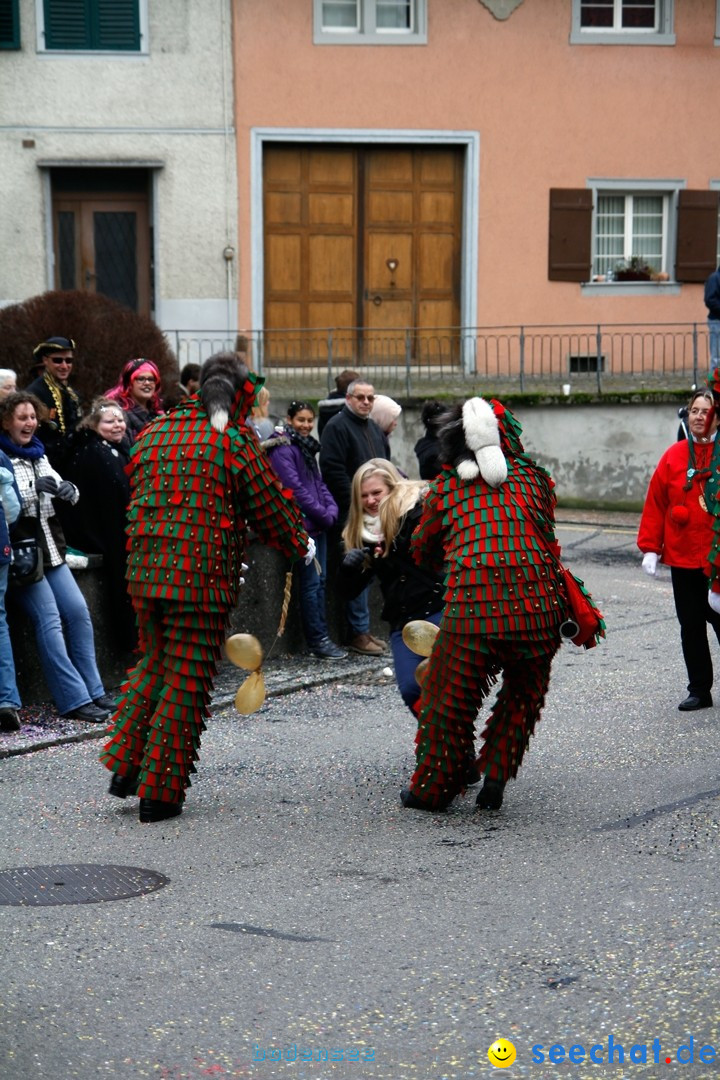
426	543
651	534
263	502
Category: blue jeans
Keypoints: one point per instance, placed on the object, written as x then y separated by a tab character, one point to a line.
9	696
312	595
64	636
358	614
406	662
714	343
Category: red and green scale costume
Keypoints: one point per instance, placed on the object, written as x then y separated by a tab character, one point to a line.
193	489
504	604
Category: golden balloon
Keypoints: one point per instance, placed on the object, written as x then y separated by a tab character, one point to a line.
421	671
251	694
419	636
244	651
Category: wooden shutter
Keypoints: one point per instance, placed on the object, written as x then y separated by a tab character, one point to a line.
569	248
697	235
9	24
112	25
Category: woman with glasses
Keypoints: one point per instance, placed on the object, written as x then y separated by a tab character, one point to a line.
138	395
293	453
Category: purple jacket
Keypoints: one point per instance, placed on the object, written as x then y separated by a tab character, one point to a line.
318	508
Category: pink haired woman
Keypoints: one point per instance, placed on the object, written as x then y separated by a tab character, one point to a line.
138	395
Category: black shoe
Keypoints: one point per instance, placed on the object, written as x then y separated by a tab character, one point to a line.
9	719
90	713
411	802
158	810
122	786
106	702
490	795
473	772
695	701
328	650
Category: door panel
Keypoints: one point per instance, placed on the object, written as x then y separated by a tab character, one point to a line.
102	245
334	218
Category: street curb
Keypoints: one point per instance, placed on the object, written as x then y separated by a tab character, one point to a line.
223	699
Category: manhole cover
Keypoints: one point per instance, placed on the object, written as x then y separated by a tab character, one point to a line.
86	883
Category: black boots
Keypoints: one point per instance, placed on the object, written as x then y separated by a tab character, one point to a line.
490	796
157	810
122	786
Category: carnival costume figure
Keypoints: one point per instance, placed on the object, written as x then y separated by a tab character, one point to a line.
198	477
489	518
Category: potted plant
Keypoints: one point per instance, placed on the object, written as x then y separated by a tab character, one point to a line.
636	268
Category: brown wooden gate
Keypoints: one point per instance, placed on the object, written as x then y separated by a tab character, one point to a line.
365	240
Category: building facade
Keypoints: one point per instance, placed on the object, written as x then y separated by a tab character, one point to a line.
118	155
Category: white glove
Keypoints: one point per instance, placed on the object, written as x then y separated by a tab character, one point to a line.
310	555
714	601
649	563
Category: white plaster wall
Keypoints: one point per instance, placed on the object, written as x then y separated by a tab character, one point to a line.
172	106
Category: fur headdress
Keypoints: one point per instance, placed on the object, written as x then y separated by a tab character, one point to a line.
471	440
227	389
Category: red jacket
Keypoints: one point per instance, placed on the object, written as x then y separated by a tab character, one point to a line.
679	543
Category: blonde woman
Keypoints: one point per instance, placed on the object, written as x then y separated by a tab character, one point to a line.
384	511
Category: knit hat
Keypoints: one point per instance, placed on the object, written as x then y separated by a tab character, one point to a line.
384	411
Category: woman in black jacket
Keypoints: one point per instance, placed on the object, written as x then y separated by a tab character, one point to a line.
97	458
384	511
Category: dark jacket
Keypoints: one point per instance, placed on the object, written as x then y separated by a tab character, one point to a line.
426	451
96	524
136	419
409	592
712	294
348	441
64	414
309	490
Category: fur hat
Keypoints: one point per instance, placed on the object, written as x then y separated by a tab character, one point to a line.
470	441
227	389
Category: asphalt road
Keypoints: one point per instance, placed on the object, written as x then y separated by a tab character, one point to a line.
306	909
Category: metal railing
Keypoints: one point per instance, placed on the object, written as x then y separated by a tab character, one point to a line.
526	358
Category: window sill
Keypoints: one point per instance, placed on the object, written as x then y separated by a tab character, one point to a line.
579	37
631	288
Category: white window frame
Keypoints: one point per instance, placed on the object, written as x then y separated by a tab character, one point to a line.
669	189
120	54
367	33
664	34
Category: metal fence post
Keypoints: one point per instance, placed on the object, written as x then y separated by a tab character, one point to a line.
695	353
522	359
329	360
598	362
408	358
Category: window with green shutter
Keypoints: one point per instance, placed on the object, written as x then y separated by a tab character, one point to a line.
92	25
9	24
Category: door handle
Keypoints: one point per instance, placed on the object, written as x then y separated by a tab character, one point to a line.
377	300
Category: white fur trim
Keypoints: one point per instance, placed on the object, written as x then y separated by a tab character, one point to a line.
468	470
219	419
480	424
482	436
493	465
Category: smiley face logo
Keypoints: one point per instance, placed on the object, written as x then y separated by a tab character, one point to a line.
501	1053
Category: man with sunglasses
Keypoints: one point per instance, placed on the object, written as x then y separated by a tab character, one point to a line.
348	440
56	354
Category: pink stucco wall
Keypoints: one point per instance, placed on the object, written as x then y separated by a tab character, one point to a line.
549	114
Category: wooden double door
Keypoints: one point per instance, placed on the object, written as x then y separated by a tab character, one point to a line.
365	241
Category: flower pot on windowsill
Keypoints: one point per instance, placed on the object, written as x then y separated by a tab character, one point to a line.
632	275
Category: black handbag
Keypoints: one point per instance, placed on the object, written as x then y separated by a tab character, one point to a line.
26	567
